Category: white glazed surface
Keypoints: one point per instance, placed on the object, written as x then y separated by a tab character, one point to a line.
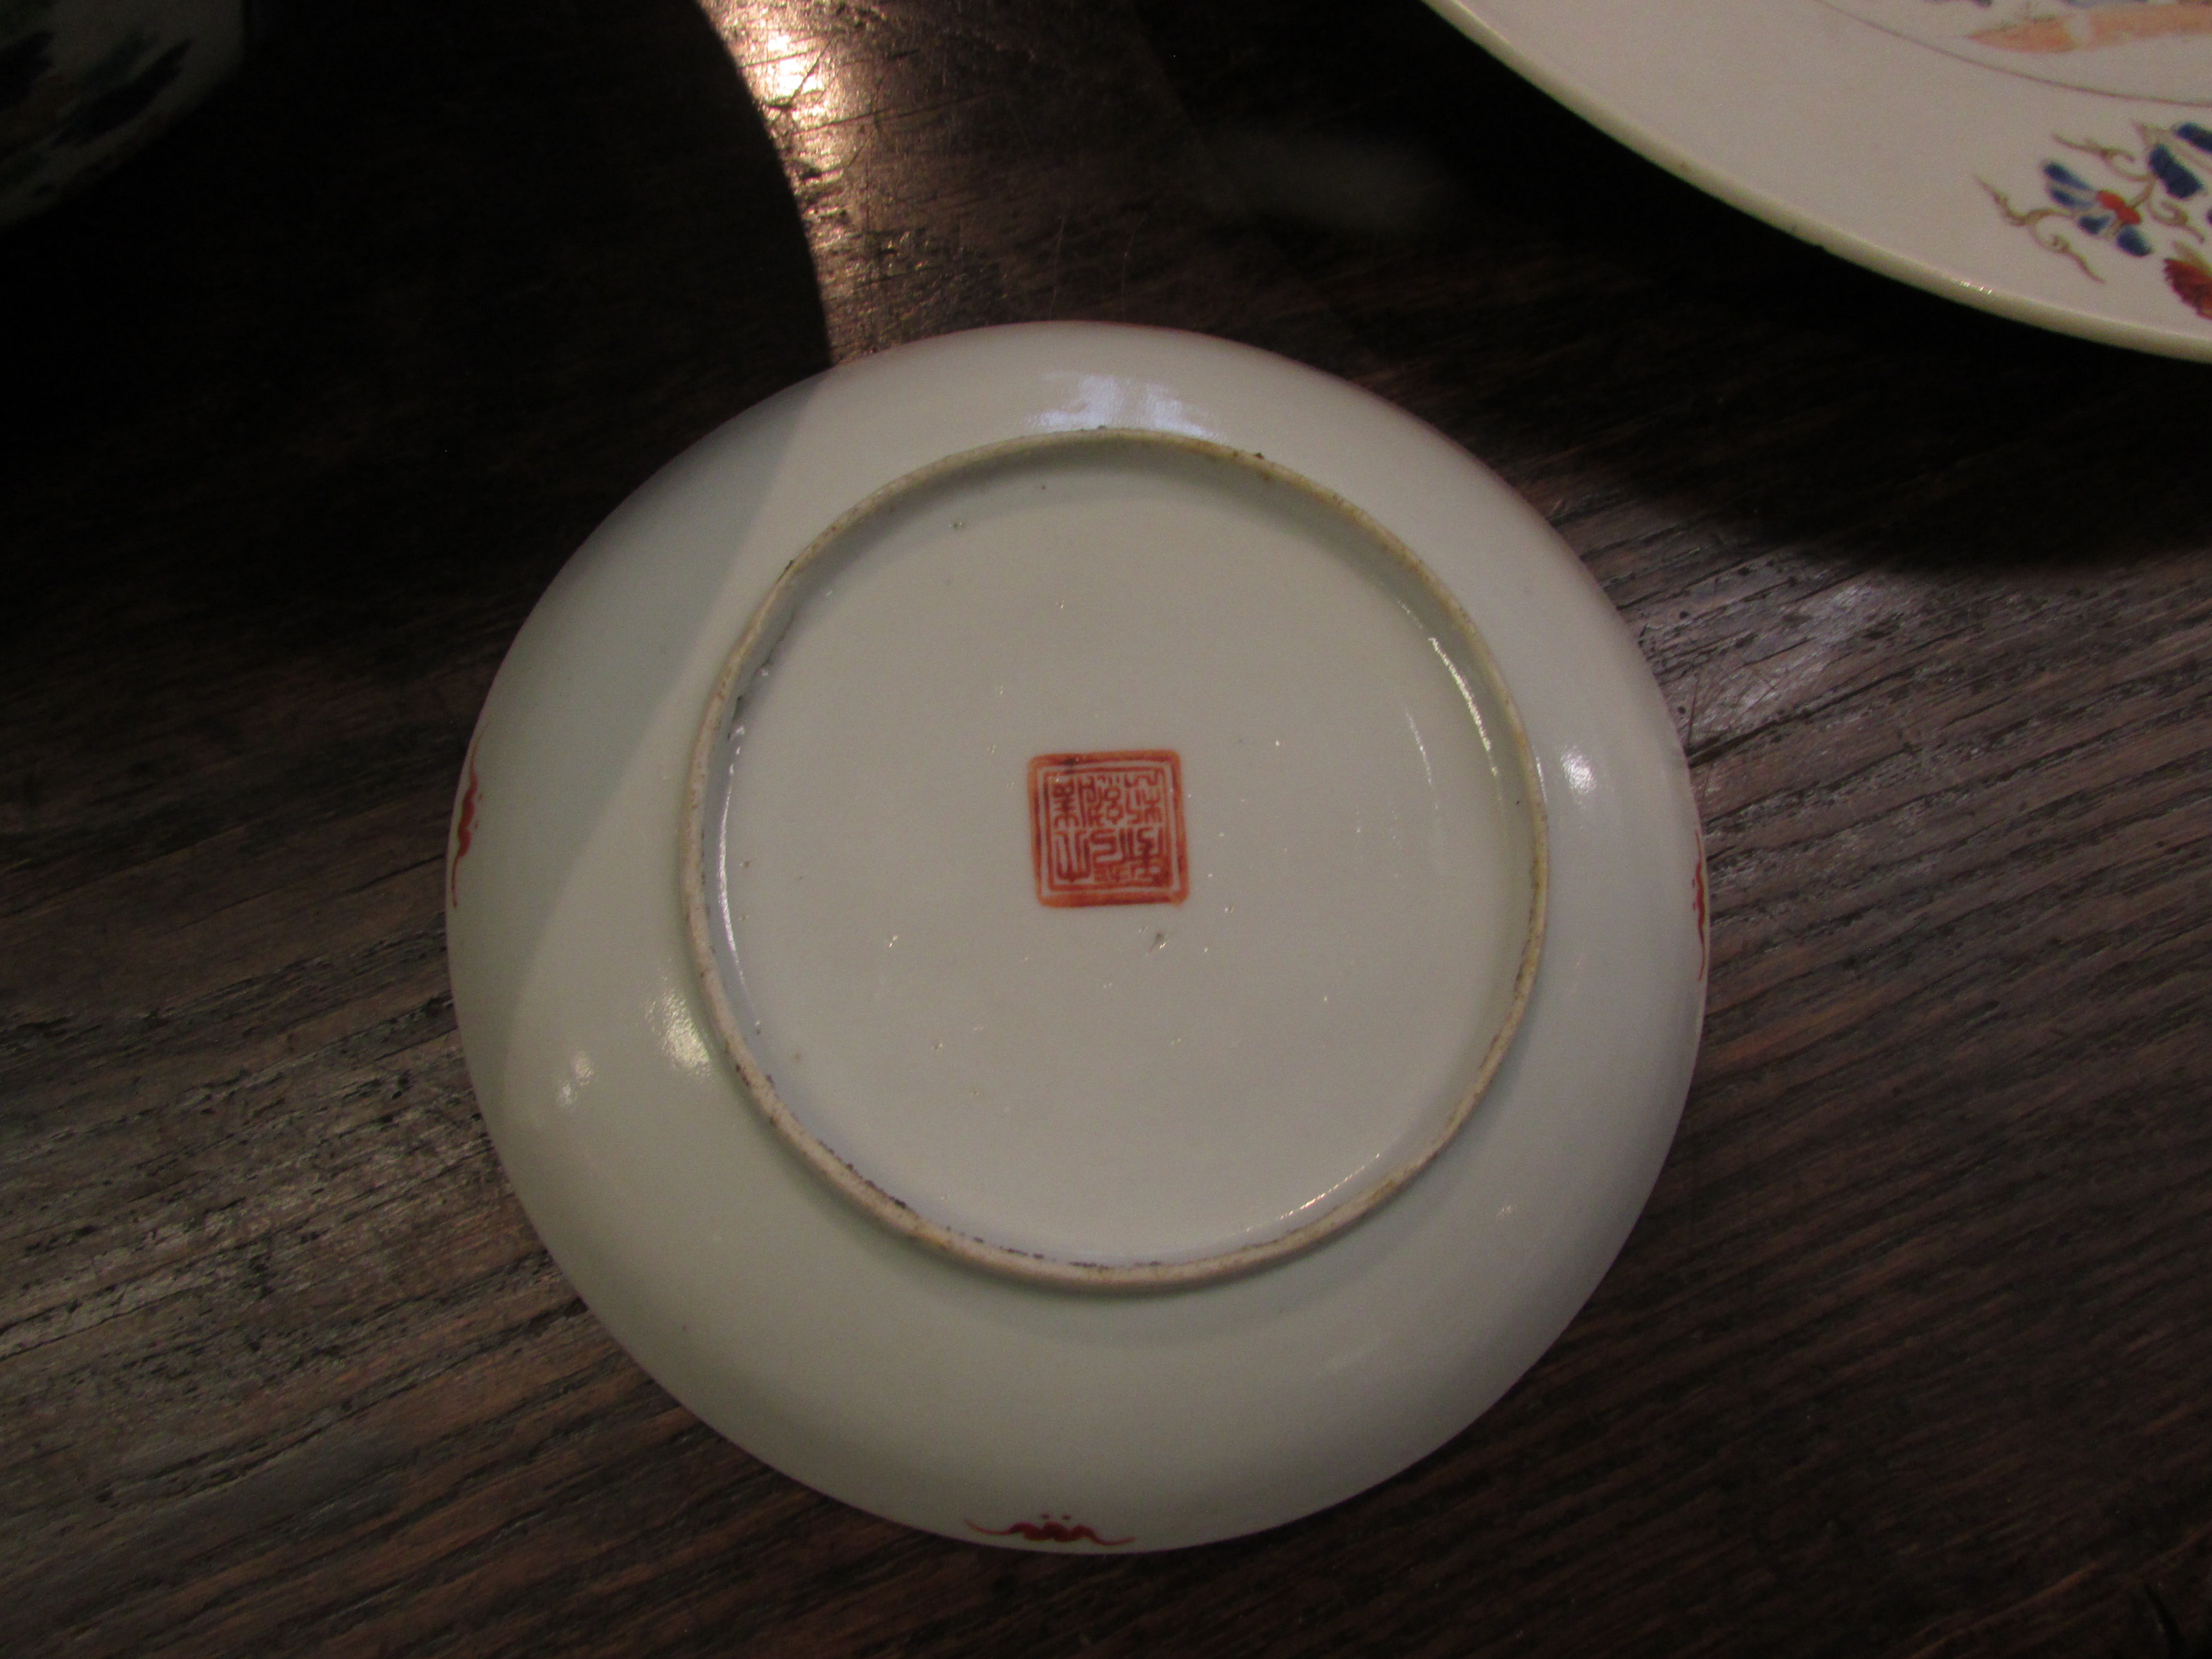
915	1386
1880	130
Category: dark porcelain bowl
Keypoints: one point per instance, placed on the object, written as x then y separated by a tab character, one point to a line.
83	83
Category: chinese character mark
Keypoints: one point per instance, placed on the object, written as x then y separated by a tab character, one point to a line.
1108	829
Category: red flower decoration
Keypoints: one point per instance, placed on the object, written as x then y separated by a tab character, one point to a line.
2193	282
2120	210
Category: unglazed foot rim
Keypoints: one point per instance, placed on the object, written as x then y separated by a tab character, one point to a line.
768	627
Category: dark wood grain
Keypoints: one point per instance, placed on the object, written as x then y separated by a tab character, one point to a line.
1909	1354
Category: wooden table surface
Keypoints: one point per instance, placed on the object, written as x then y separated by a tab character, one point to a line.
1910	1353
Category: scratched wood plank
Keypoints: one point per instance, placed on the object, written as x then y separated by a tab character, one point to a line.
1905	1358
325	390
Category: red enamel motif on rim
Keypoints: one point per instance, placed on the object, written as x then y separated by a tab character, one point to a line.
1108	829
1698	902
463	832
1046	1530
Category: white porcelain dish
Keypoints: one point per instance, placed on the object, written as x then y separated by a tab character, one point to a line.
1253	962
2047	160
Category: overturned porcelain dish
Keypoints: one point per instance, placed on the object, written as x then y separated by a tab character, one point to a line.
1081	937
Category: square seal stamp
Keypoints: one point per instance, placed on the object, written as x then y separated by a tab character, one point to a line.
1108	829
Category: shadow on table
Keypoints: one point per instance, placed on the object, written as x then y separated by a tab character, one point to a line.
391	324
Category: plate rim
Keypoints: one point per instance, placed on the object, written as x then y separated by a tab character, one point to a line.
1640	131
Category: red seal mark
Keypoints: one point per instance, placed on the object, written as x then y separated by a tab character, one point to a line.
1046	1530
463	829
1108	829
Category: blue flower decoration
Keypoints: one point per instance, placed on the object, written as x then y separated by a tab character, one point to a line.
2178	181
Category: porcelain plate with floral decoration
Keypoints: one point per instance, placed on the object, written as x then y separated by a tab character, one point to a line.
2047	160
1078	936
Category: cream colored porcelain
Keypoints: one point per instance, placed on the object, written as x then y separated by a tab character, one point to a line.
1213	1221
2047	160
